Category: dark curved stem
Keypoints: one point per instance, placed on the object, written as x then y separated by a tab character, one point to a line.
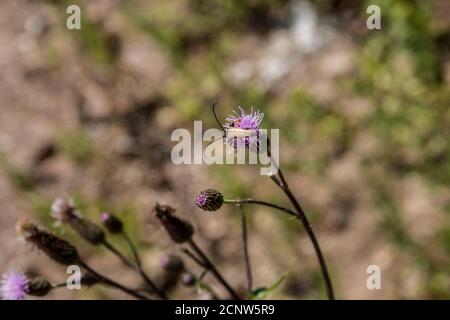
137	268
194	257
132	247
263	203
302	217
244	233
113	283
300	214
213	269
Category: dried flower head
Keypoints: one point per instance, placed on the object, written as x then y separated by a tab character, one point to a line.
56	248
245	121
14	286
64	212
178	229
111	222
209	200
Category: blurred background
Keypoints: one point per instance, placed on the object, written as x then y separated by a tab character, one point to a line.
364	122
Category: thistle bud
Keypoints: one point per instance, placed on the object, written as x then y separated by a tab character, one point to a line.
172	263
187	279
89	279
111	222
88	230
39	287
209	200
56	248
178	229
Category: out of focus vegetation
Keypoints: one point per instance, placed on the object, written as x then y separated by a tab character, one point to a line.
399	73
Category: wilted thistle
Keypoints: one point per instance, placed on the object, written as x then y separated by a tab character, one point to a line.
56	248
178	229
65	212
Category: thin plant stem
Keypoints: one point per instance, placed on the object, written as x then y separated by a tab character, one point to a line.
205	286
300	214
137	268
213	269
191	255
244	234
132	247
302	217
263	203
113	283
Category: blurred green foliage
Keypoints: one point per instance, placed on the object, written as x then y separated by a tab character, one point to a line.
399	72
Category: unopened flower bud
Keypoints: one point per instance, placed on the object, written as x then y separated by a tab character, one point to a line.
111	222
172	263
188	279
178	229
56	248
39	287
88	230
89	279
209	200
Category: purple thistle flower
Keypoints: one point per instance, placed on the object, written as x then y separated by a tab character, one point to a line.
244	121
14	286
201	200
104	216
209	200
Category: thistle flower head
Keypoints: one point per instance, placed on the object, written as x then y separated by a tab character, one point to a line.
14	286
111	222
56	248
178	229
246	121
209	200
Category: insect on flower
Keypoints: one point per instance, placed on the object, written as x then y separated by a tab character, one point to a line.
242	130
